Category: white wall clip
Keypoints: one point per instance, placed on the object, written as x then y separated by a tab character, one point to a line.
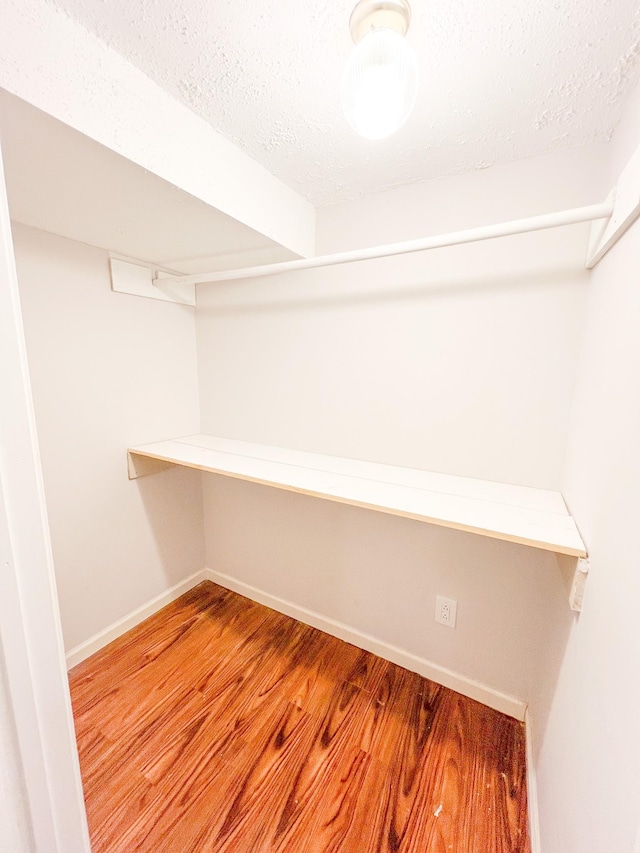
579	583
138	280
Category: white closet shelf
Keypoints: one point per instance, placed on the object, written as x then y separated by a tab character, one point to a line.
533	517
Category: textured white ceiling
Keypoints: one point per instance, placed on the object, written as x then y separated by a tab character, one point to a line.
499	80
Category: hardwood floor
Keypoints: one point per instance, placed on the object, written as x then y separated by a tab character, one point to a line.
220	726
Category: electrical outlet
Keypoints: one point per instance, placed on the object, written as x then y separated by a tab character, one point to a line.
446	611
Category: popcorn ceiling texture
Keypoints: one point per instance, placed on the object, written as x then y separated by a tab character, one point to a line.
499	81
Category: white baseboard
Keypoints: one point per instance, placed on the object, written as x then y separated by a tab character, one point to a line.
532	788
103	638
448	678
441	675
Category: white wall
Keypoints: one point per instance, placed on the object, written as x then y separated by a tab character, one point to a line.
379	574
589	765
460	361
108	371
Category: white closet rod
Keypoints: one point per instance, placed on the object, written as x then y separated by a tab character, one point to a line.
471	235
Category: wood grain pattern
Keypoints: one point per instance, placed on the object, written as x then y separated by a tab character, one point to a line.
221	726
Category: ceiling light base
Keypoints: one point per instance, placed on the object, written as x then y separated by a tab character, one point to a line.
371	15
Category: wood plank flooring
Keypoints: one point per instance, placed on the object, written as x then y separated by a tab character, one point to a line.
220	726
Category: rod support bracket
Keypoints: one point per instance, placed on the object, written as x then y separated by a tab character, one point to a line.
626	209
138	280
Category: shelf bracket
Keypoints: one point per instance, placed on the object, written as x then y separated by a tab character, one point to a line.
579	582
605	233
142	466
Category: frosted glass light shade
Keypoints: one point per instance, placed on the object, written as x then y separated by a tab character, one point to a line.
380	84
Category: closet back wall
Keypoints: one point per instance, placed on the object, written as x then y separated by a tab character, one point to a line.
461	360
108	371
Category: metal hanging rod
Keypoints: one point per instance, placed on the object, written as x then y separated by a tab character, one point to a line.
455	238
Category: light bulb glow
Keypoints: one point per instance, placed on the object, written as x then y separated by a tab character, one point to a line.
380	84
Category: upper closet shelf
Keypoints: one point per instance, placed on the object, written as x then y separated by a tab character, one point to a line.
531	517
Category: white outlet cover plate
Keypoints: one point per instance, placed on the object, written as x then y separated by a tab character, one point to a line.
446	606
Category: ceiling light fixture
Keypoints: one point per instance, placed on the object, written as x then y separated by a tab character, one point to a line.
380	81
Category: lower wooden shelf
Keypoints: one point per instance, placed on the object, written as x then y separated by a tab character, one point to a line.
532	517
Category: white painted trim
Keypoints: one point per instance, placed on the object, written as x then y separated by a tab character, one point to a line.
532	787
30	632
117	629
441	675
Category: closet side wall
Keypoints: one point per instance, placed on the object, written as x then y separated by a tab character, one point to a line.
108	371
589	763
462	360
